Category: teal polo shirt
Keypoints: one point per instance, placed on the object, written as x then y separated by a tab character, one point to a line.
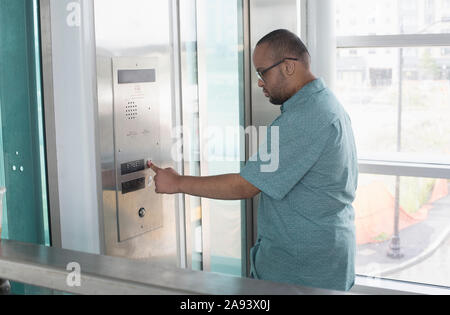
306	232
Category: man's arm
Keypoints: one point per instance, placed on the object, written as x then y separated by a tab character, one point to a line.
223	187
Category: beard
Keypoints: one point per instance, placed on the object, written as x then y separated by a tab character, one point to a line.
277	100
279	97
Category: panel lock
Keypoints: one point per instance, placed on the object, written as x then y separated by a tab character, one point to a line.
142	212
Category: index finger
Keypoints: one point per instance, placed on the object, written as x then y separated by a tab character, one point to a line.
153	166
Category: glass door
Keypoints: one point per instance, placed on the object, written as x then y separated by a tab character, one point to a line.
213	115
22	159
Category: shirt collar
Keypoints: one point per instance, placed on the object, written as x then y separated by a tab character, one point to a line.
304	94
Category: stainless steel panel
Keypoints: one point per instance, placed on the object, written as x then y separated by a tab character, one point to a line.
136	30
265	17
137	137
47	267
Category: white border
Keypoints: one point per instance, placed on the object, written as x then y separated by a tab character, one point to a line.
377	286
409	40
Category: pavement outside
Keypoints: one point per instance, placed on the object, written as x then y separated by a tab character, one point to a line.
417	243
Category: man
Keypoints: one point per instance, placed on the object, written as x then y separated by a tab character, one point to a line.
306	233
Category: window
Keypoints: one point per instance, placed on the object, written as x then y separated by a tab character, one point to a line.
408	4
394	17
395	86
217	224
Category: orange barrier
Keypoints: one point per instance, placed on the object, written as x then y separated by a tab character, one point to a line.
375	208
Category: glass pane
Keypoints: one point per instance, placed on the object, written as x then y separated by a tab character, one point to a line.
3	214
191	137
423	210
42	162
221	115
394	113
22	158
388	17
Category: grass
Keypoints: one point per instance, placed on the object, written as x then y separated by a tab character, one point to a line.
415	192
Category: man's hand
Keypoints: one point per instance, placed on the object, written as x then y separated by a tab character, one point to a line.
222	187
166	180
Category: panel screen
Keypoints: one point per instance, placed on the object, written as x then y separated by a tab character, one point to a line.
137	76
133	185
132	167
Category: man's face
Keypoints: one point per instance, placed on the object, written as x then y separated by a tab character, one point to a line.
273	82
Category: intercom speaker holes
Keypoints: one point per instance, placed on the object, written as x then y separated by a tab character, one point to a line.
131	111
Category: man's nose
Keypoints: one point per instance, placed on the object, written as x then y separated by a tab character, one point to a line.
260	83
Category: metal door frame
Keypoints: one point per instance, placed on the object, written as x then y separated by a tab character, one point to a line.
50	127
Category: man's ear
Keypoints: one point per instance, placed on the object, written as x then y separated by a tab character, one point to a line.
289	67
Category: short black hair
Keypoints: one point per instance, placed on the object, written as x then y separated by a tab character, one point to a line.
285	44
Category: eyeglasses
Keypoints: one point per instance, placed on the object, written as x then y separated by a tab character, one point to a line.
261	73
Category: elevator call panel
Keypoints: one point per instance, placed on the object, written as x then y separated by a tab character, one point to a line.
136	140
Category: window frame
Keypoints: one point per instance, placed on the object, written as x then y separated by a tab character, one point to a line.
391	165
398	167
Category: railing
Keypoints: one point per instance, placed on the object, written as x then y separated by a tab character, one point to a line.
81	273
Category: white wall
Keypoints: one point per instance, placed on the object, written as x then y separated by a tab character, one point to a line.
74	80
321	40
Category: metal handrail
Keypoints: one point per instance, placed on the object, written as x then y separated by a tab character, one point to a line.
56	269
88	274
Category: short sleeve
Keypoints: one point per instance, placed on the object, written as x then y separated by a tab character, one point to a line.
286	157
